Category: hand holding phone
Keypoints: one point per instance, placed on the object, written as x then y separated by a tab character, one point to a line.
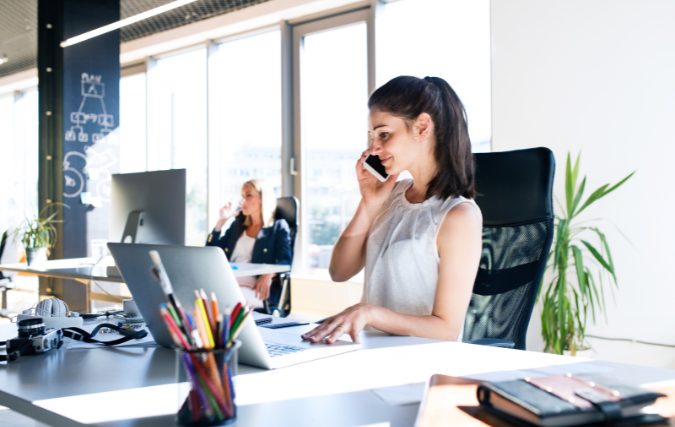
373	165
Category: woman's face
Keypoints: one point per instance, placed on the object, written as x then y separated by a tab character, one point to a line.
397	144
252	203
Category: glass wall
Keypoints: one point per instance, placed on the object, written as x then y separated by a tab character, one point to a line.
245	116
19	177
442	38
334	89
177	129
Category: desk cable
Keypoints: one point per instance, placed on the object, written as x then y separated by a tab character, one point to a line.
91	278
630	340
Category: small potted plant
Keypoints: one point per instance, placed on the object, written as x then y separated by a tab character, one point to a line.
38	235
575	289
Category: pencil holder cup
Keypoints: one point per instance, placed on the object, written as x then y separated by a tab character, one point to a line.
205	387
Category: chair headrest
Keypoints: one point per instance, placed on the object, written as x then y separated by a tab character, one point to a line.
515	186
287	208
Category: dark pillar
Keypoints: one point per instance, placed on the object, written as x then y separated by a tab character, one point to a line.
79	116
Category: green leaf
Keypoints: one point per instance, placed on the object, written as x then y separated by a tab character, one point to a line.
604	192
577	197
618	184
593	197
609	253
599	257
569	184
579	265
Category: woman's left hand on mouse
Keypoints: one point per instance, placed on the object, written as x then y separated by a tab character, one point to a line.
350	321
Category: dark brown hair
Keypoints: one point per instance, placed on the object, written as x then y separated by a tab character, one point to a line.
407	97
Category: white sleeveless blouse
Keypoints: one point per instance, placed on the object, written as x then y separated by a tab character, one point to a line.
402	259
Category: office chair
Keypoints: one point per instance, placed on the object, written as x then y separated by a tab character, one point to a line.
515	195
287	208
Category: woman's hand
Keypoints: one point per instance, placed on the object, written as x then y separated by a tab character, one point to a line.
373	192
226	212
262	286
351	321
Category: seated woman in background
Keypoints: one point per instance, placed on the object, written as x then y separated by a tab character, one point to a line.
255	236
419	239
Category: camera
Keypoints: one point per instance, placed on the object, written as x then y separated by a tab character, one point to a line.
33	338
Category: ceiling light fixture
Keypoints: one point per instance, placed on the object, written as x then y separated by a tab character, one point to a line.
3	59
124	22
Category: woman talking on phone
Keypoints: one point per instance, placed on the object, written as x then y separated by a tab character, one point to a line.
419	239
255	236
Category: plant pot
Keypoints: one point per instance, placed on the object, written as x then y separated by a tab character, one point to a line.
36	256
586	352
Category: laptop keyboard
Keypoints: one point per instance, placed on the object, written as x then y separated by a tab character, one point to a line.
276	350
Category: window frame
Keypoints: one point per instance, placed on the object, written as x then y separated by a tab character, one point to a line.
298	33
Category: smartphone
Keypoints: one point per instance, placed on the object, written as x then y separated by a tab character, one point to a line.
374	166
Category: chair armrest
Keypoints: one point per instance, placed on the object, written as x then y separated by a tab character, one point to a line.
493	342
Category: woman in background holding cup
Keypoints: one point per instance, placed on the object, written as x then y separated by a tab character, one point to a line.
255	237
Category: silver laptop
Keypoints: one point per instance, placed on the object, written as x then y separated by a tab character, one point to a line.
191	268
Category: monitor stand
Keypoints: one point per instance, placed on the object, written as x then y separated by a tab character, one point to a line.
132	230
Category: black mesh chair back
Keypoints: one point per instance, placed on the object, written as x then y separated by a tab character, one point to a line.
515	194
287	208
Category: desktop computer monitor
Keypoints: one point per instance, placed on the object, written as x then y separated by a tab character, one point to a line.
148	207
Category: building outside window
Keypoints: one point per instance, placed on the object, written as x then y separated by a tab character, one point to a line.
245	116
177	129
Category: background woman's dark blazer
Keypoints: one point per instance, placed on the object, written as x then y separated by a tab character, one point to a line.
272	246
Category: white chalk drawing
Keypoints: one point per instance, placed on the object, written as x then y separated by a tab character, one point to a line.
100	161
91	88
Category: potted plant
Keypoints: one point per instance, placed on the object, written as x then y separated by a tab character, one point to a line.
38	235
575	289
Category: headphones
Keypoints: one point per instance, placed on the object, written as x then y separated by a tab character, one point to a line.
51	307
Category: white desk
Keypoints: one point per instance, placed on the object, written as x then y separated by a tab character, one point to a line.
83	270
133	386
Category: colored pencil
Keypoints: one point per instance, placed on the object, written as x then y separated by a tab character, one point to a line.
214	309
207	308
235	312
172	326
233	335
192	375
194	406
200	327
209	384
226	327
201	309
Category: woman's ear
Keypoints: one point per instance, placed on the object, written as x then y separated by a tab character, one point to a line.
422	126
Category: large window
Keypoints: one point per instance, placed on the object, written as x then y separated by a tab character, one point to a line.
244	116
19	177
177	129
333	80
442	38
133	123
